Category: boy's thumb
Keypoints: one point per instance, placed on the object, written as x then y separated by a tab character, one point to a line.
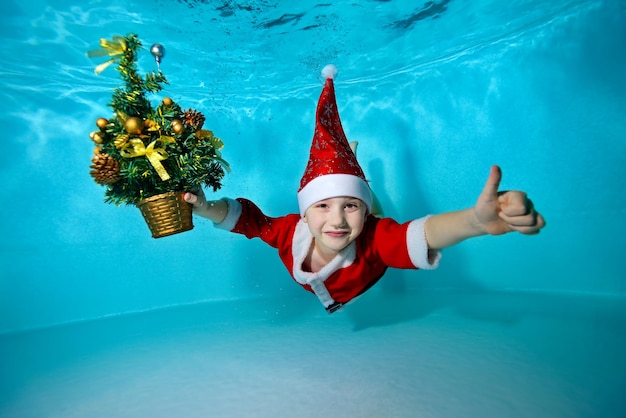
490	191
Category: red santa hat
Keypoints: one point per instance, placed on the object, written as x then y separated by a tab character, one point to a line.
332	170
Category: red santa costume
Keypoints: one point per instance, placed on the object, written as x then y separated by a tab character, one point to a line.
333	171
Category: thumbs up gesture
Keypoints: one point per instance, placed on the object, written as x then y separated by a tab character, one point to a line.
501	212
494	213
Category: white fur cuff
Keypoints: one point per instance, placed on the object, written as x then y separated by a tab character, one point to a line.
416	243
232	216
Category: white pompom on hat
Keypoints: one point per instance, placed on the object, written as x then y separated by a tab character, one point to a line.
333	169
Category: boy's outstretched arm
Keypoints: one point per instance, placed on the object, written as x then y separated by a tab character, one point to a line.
495	213
214	210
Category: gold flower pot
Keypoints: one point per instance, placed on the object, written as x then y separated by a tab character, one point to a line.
166	214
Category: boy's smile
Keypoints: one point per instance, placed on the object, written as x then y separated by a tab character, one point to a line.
334	224
336	234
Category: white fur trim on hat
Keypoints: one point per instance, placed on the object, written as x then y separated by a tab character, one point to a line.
334	185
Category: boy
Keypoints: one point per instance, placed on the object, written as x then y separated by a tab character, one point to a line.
335	248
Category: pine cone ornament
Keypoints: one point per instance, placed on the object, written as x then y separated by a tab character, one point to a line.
104	168
193	119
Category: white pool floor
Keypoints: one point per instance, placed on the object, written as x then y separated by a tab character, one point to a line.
431	355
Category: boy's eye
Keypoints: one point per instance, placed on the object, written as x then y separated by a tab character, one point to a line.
349	206
352	206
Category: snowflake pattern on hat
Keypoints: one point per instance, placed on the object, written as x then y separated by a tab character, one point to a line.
330	150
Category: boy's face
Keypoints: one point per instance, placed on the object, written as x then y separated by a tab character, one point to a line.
335	222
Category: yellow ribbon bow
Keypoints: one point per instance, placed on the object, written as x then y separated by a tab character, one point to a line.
114	48
136	148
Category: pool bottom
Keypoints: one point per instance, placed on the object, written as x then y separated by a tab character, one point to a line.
427	355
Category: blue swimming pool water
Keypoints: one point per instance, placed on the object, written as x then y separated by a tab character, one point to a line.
99	319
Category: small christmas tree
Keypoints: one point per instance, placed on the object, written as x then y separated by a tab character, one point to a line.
143	151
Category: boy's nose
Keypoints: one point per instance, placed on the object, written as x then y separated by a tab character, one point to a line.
338	219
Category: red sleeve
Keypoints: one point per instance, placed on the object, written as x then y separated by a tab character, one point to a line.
388	239
253	223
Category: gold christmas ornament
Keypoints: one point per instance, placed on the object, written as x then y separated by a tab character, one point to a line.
133	125
151	125
177	126
96	137
102	123
104	168
167	101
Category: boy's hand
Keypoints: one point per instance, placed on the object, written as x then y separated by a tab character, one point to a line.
502	212
214	210
196	198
